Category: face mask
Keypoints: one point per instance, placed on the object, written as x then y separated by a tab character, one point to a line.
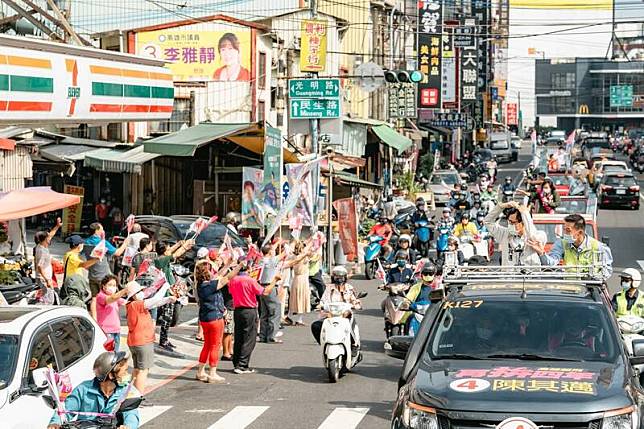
428	279
338	281
569	238
512	230
484	333
125	380
110	290
546	191
140	296
401	263
626	285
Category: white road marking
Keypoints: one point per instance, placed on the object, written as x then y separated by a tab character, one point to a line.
345	418
641	263
641	196
239	418
196	411
189	323
148	413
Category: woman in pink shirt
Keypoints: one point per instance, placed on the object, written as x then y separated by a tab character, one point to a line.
108	301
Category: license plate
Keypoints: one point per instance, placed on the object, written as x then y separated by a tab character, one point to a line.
621	192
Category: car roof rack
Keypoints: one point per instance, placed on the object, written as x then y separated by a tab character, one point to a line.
582	275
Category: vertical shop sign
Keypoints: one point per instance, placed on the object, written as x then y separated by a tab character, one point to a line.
72	214
313	51
469	74
430	28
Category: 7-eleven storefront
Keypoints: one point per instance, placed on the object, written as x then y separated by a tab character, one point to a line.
47	83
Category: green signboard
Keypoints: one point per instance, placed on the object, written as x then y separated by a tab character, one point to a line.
621	96
314	109
314	88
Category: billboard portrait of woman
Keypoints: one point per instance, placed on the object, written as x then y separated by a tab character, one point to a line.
230	53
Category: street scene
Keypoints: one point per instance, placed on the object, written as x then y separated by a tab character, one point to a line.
329	214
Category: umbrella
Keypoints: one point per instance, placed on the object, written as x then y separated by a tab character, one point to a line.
32	201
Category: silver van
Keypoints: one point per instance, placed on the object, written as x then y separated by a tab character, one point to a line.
499	144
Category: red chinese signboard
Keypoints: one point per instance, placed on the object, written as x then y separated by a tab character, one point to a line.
511	113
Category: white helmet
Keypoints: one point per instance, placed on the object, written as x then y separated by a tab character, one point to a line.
634	275
339	270
404	237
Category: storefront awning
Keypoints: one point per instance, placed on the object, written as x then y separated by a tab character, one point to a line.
65	152
33	201
391	137
352	179
256	144
186	142
7	144
119	161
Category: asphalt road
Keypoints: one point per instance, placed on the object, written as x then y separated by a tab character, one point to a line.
290	388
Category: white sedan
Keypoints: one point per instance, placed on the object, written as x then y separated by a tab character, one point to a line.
34	337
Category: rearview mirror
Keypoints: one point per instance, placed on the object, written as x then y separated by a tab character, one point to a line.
638	352
398	345
606	240
39	377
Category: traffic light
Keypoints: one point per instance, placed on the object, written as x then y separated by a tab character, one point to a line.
397	76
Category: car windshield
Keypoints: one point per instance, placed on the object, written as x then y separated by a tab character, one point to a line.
555	230
8	357
557	134
213	235
448	179
499	144
597	143
559	179
483	155
614	168
574	205
523	328
619	181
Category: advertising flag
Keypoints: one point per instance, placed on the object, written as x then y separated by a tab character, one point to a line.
348	226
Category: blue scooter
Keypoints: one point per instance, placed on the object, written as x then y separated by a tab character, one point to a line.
371	254
444	231
422	237
418	313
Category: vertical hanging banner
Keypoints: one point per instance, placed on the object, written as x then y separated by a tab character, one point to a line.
252	208
482	11
469	74
72	214
271	189
511	114
313	46
348	226
430	29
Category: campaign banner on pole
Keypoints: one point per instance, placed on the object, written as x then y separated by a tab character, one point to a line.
252	208
313	45
304	203
271	188
347	226
72	214
430	28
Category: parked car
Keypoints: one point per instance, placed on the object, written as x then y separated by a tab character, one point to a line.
513	353
500	143
31	338
440	182
619	189
518	141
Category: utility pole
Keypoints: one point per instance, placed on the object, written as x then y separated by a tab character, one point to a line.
314	125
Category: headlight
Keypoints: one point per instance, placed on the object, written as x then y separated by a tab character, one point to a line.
624	418
419	417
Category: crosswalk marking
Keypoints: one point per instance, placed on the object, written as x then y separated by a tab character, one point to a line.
189	323
149	413
641	264
239	418
345	418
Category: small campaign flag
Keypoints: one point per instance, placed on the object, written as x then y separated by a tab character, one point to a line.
143	268
99	250
213	219
380	273
131	219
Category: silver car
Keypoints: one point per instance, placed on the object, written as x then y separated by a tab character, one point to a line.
441	184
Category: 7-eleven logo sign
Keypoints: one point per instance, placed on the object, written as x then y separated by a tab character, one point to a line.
73	91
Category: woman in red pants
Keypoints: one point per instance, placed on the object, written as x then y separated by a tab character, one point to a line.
211	318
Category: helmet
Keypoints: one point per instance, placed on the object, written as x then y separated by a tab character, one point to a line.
404	237
420	200
632	274
202	253
480	215
232	217
106	362
463	185
508	179
465	216
339	274
447	210
402	254
428	270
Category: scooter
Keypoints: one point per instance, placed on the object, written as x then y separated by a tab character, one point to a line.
418	310
632	328
471	246
335	338
444	231
371	254
391	307
422	237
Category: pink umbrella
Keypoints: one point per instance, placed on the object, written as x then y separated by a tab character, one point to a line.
27	202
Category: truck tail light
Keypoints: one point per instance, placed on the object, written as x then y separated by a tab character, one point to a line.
635	188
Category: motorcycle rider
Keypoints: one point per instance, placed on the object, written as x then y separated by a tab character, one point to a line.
452	246
421	212
446	218
400	273
421	291
404	244
339	291
103	393
484	181
629	302
383	229
465	227
508	187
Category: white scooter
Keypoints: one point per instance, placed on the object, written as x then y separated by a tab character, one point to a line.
335	339
471	246
632	328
